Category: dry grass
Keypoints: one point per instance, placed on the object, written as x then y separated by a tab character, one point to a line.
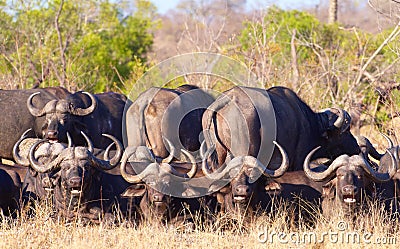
275	230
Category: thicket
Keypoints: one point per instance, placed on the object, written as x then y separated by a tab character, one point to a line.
92	45
105	45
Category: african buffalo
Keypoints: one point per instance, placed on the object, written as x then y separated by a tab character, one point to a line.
384	166
74	178
10	189
156	205
349	178
94	114
16	118
244	120
162	113
241	194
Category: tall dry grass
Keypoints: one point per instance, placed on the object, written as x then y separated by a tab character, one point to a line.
372	228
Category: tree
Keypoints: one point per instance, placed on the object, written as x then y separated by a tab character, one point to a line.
91	45
333	10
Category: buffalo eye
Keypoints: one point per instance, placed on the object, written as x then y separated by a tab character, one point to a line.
62	118
151	182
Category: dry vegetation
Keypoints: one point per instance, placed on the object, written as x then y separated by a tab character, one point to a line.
372	229
182	34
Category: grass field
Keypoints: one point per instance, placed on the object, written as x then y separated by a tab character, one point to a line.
372	228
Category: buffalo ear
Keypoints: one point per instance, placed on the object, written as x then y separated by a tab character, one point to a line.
273	187
220	198
136	190
225	190
328	189
218	186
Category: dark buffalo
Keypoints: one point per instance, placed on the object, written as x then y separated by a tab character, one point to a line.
242	123
384	166
16	118
106	118
154	204
94	114
10	189
349	177
173	114
168	122
298	128
76	180
242	193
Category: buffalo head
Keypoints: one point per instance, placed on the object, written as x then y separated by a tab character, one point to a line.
243	172
336	133
60	116
152	178
349	176
73	175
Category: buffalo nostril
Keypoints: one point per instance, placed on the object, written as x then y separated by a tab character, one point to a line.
52	134
74	181
242	190
156	198
349	189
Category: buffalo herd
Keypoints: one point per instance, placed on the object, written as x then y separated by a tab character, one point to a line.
173	153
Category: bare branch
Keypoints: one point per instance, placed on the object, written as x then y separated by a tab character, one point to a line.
294	60
62	47
394	34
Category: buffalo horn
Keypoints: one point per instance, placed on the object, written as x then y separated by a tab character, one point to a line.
88	142
17	157
250	160
172	170
113	162
32	109
128	153
377	176
171	149
40	167
390	142
85	111
321	176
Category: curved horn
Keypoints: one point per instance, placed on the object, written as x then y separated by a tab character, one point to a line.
127	154
192	160
249	160
377	176
88	142
285	162
43	168
204	165
69	140
171	152
321	176
128	177
390	142
203	149
86	111
367	148
189	174
339	121
208	116
106	155
32	109
17	157
113	162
